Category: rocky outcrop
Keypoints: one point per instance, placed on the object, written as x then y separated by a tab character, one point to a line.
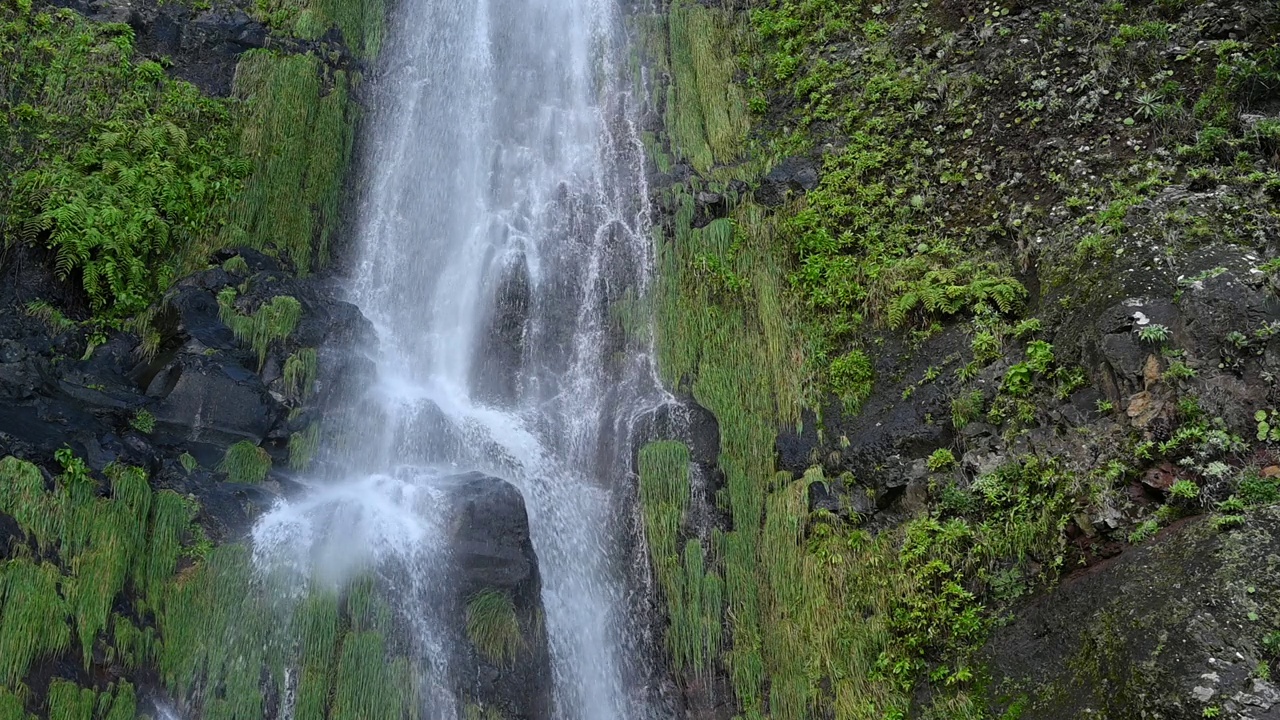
492	555
1177	629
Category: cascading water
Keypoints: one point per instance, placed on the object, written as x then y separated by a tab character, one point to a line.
504	248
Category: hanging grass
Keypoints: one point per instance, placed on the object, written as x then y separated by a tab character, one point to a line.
297	133
317	621
706	110
300	373
273	321
664	500
492	625
303	445
245	463
35	617
11	706
370	685
67	701
25	497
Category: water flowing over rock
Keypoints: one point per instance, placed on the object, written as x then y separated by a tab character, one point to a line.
480	469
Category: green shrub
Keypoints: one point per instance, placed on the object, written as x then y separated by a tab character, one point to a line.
850	378
966	408
941	459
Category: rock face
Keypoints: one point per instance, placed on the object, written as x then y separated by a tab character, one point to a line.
1167	630
492	552
202	392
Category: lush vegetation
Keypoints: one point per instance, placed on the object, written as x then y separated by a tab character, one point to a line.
117	168
130	178
492	626
929	215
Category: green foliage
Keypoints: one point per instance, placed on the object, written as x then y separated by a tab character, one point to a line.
245	462
273	321
706	110
36	617
492	625
143	421
940	460
1268	428
1153	333
67	701
303	446
116	167
966	408
297	135
850	378
1144	531
300	373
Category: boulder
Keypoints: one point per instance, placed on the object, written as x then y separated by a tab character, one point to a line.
491	551
792	175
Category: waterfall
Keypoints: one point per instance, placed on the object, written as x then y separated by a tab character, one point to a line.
503	259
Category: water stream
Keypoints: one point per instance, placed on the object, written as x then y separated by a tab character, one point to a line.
503	245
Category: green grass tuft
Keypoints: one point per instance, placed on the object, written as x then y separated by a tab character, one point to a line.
246	463
492	625
273	321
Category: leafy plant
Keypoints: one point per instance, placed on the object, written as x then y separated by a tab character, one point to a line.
850	378
941	459
1153	333
143	421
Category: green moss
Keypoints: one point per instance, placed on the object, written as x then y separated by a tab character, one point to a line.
492	626
245	462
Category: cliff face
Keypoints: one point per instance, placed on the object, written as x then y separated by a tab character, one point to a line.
973	308
983	300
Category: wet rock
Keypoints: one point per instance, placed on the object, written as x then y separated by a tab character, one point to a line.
491	551
211	403
495	374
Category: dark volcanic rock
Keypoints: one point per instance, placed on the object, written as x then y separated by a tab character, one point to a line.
491	550
792	175
1165	630
499	355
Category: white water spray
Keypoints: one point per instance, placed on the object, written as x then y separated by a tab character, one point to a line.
503	231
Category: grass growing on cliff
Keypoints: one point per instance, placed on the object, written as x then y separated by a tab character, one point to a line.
245	462
297	134
300	373
273	321
706	109
303	446
492	625
694	594
36	617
